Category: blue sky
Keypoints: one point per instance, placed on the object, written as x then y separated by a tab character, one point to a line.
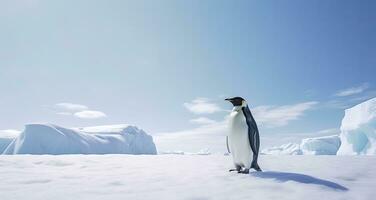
149	63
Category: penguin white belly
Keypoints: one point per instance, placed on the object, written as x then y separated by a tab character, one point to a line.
238	140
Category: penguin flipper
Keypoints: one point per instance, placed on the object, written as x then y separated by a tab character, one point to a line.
228	148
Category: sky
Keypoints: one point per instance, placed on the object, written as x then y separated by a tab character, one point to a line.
166	66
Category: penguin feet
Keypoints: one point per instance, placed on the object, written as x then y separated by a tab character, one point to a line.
232	170
244	171
256	167
238	169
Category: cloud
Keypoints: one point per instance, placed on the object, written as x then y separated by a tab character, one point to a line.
77	110
90	114
274	116
329	131
202	120
352	90
71	106
202	106
346	103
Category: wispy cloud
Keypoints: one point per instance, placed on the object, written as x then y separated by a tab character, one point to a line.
90	114
345	103
352	90
274	116
202	106
329	131
202	121
77	110
71	106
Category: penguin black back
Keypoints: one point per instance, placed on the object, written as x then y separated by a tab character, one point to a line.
253	136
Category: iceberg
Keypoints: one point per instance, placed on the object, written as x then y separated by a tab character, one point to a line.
4	142
55	140
358	130
6	137
327	145
285	149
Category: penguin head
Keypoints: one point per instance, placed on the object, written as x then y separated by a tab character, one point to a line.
237	101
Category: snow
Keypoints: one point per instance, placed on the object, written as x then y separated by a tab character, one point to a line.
173	152
108	177
358	130
326	145
52	139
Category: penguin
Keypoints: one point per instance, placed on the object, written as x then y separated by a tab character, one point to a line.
243	140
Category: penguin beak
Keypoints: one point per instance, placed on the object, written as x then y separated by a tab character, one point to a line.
228	99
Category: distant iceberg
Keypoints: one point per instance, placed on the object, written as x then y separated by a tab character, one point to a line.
285	149
4	143
358	130
6	137
52	139
327	145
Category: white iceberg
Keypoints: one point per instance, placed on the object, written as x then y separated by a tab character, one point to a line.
327	145
358	130
4	143
6	137
52	139
285	149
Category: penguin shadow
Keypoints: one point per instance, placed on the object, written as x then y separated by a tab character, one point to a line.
299	178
